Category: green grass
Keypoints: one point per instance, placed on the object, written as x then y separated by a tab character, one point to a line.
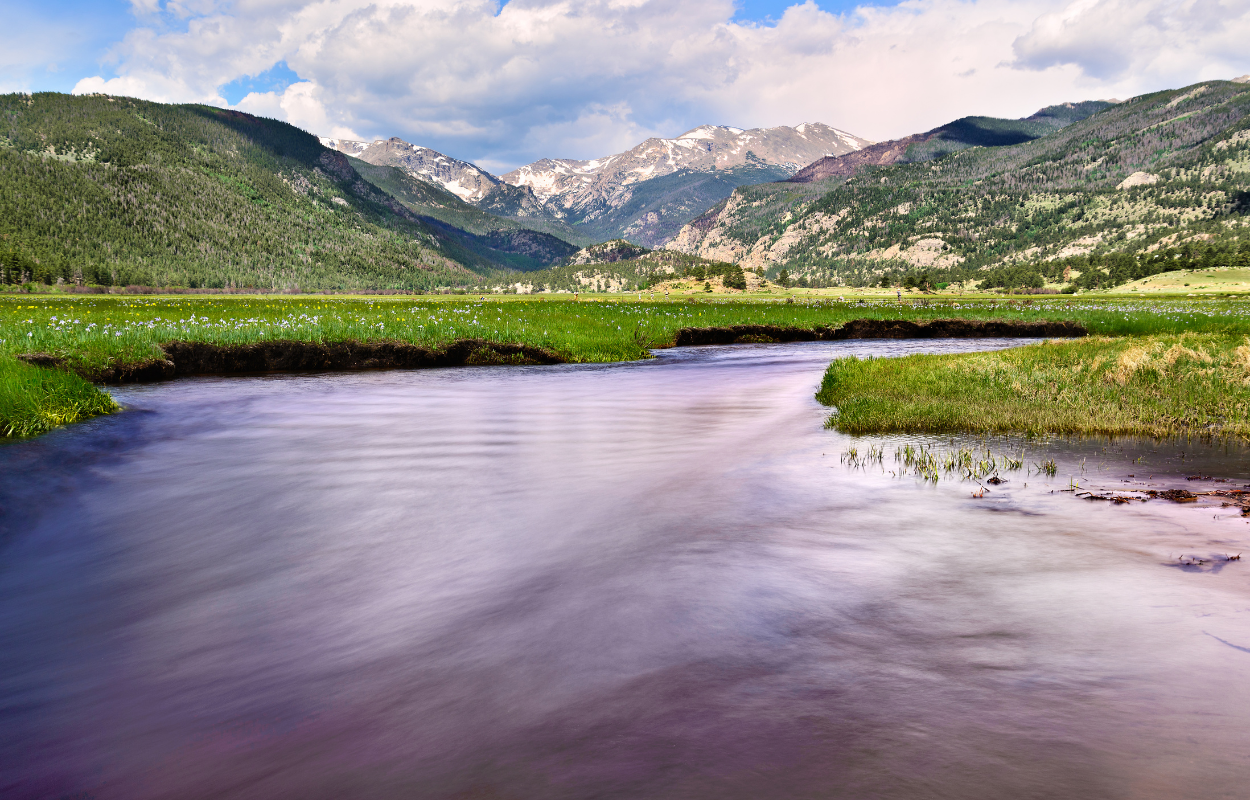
1190	281
34	400
93	332
1161	385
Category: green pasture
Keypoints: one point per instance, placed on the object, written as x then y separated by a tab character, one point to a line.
1159	385
1217	280
88	333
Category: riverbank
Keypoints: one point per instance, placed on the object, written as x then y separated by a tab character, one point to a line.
1161	385
115	339
34	400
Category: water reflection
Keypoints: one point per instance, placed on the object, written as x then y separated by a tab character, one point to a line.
650	580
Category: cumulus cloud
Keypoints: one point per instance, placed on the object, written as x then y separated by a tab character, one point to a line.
584	78
1151	39
301	105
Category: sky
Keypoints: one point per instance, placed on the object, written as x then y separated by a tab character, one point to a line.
506	83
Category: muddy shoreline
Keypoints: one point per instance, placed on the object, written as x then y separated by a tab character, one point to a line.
202	358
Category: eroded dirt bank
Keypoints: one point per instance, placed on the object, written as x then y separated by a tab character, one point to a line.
200	358
879	329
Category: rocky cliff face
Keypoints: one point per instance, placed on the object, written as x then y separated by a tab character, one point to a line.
582	191
458	177
506	200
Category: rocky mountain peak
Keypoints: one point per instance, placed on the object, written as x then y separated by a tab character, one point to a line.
574	186
461	178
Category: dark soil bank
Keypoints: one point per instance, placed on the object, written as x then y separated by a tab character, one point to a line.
879	329
201	358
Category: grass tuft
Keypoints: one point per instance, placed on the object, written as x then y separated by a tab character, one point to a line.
35	400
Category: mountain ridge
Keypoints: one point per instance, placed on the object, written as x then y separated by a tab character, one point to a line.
1154	180
98	189
645	193
972	131
462	178
580	189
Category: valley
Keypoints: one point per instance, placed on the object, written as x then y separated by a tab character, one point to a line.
1076	197
627	400
107	196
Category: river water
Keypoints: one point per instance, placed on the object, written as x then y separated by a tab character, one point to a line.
650	580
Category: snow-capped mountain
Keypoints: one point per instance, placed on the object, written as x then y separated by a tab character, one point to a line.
571	186
458	177
644	194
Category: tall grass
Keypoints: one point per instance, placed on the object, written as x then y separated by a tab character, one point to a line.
35	400
1159	385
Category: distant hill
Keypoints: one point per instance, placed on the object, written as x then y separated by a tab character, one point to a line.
951	137
1163	178
113	190
607	253
465	180
472	186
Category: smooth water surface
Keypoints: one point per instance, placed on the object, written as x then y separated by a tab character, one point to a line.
650	580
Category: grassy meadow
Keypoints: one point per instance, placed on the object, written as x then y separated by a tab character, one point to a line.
89	333
1217	280
1160	385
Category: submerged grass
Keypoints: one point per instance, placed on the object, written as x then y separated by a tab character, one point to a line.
90	333
1162	385
930	463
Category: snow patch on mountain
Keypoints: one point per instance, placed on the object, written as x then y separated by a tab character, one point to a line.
461	178
582	189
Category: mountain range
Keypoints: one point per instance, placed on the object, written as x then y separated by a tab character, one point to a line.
1161	176
952	137
644	194
114	190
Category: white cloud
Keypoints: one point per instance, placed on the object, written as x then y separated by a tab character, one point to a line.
301	105
584	78
1110	39
597	129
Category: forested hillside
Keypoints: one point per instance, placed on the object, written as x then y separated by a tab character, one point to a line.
952	137
620	266
115	191
1160	181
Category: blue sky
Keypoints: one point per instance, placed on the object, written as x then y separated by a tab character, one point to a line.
505	85
275	79
51	46
766	10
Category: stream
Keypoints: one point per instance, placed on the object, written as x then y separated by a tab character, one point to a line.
645	580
